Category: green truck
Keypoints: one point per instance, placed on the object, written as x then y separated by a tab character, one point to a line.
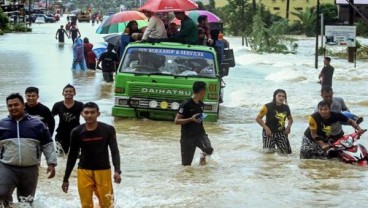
153	79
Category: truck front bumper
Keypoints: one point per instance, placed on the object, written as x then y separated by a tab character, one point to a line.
166	115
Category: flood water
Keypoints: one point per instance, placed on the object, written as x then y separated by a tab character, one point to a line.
238	174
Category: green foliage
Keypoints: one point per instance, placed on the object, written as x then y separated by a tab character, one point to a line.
211	6
4	20
270	39
20	27
330	13
200	5
306	21
362	28
237	16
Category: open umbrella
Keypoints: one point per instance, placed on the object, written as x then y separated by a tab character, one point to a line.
168	5
112	39
117	22
194	14
99	48
124	16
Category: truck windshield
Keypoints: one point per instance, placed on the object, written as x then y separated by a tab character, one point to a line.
175	62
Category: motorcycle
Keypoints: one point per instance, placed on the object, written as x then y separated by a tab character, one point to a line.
349	150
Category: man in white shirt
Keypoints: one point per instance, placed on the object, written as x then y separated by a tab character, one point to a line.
155	29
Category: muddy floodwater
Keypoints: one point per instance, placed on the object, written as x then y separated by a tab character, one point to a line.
238	174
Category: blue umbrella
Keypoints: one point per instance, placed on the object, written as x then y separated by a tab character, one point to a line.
99	48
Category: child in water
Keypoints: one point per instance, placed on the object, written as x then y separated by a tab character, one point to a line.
274	131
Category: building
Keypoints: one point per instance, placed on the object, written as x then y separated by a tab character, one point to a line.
284	8
360	7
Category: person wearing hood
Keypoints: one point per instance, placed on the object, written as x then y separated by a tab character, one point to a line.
78	55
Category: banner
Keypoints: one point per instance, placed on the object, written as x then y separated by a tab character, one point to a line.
340	35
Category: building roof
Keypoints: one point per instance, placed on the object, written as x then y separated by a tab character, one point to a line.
355	2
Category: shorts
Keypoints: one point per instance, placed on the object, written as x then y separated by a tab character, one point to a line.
279	140
98	182
189	145
24	179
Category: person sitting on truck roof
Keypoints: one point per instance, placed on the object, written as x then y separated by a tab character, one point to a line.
172	30
204	35
134	32
156	28
188	33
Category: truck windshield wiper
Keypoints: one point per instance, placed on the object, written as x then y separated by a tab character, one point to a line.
151	73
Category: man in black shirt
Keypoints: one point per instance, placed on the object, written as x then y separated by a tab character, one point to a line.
326	74
93	140
190	117
109	61
74	32
38	110
60	34
69	111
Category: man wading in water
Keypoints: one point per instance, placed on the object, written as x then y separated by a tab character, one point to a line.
23	139
193	135
69	111
93	140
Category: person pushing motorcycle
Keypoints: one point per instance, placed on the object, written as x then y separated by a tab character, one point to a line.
324	128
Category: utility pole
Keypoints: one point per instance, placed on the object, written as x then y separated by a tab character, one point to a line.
287	9
242	25
351	50
317	33
29	12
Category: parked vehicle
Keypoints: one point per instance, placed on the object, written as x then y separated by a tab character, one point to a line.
47	19
40	20
350	151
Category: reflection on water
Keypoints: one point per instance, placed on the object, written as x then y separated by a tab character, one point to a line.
238	174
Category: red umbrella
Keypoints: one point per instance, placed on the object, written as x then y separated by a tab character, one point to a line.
168	5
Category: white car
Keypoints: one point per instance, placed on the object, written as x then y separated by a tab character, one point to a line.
40	20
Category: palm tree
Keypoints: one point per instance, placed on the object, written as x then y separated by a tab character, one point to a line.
306	20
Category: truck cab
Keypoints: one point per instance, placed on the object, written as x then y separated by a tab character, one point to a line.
153	79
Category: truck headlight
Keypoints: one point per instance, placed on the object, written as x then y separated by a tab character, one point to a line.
153	104
175	106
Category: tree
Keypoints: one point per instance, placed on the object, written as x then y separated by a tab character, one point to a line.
306	21
270	38
201	5
329	12
211	6
4	20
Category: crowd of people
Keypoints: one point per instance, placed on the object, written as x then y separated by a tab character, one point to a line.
31	124
188	32
27	133
325	125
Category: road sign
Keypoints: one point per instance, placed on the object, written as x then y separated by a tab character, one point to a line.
340	35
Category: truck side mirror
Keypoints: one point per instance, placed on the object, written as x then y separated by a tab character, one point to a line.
224	69
229	57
